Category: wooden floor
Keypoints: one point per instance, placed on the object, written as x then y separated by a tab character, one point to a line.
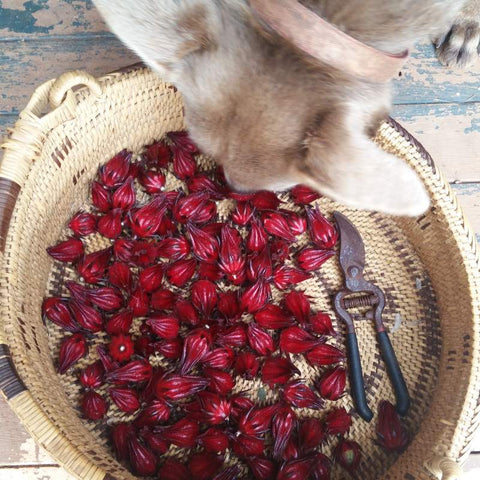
40	39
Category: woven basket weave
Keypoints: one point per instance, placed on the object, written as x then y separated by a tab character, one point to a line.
428	268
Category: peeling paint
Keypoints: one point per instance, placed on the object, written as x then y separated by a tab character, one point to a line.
43	18
441	129
81	7
438	110
28	450
466	188
23	20
425	80
431	89
16	446
36	62
475	126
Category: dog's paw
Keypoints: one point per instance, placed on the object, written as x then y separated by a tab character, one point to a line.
459	47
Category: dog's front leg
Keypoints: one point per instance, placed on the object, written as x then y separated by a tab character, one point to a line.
459	46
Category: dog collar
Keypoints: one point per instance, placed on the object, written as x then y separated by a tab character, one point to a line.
325	42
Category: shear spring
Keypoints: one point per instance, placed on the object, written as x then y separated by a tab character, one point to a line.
360	301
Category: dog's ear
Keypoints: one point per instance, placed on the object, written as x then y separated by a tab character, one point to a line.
162	32
344	164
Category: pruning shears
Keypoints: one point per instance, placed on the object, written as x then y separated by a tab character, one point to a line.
365	294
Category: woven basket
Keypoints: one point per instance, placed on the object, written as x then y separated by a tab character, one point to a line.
428	268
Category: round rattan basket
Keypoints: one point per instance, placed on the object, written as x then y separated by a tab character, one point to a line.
428	268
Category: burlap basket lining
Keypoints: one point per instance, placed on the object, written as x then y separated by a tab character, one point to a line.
131	109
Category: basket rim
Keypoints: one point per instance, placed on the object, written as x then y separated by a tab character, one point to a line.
11	383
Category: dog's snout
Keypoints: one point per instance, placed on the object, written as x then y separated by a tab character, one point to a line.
235	184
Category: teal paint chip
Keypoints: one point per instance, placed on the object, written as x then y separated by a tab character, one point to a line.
22	20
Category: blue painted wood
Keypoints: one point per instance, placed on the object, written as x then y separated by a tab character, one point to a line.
34	18
26	65
425	80
467	189
23	19
436	111
450	132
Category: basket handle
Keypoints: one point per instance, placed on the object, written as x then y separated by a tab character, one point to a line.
444	468
64	84
52	104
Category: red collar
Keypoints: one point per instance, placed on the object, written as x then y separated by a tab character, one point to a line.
323	41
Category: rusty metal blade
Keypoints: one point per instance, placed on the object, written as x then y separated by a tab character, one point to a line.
352	250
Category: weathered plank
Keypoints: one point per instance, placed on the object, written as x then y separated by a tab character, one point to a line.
450	133
424	80
37	18
35	473
16	445
25	65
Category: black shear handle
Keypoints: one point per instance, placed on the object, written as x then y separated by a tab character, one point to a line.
356	378
394	372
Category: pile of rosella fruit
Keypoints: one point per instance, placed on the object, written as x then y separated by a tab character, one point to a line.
202	287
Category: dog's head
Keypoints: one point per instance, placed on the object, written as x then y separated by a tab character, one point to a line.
256	105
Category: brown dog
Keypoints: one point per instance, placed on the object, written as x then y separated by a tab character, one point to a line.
271	116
